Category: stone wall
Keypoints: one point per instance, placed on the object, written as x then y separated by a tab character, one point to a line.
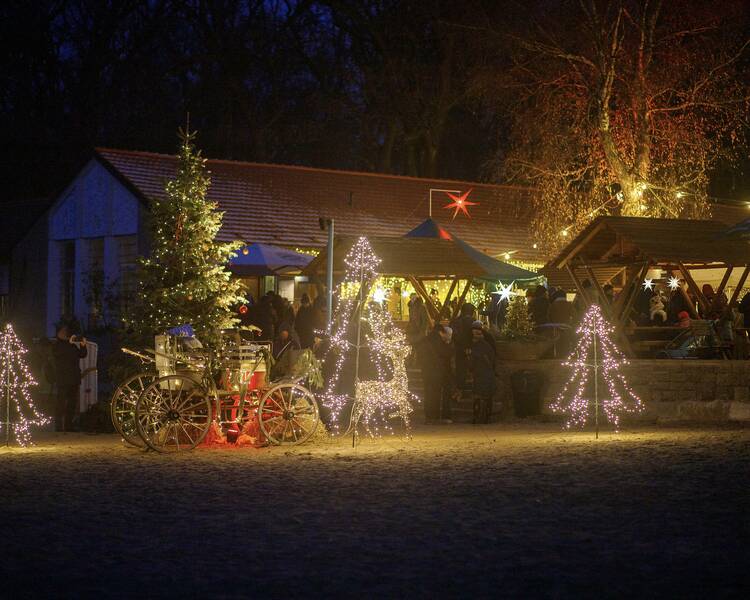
671	390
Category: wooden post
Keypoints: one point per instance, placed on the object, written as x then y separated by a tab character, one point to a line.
436	305
740	283
419	287
461	298
446	302
723	284
694	288
633	288
579	286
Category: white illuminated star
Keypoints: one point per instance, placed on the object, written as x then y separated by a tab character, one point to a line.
505	292
674	283
648	284
379	295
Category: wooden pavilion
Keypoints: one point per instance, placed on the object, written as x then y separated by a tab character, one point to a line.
622	250
421	259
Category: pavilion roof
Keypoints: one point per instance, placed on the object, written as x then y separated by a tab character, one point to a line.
424	257
618	241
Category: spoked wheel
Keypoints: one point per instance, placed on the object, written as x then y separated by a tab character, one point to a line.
173	414
288	414
122	406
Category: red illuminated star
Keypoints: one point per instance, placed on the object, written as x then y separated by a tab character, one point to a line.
460	203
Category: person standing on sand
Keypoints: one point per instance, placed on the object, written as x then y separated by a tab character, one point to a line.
434	353
67	351
482	364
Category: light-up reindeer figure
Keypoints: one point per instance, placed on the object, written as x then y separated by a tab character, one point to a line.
391	397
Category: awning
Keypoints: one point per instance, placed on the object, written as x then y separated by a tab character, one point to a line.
264	259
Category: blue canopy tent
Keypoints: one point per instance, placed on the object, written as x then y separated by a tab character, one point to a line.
263	259
493	269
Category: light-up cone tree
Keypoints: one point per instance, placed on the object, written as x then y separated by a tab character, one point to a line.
185	278
596	355
361	270
20	413
357	324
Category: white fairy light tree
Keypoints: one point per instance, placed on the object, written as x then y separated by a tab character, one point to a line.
16	380
596	354
387	345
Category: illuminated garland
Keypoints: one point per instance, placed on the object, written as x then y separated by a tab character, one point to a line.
16	379
596	352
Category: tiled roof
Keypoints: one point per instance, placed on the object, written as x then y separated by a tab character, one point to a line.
280	204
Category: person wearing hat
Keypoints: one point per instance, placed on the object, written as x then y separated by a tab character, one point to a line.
67	351
482	365
434	354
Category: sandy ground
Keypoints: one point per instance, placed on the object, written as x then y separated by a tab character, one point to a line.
459	511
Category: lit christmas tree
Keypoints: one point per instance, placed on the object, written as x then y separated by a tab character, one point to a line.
517	324
355	318
16	380
597	354
185	279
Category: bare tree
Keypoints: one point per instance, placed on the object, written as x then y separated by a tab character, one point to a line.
622	106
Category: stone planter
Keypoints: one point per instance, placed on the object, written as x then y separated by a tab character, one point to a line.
518	350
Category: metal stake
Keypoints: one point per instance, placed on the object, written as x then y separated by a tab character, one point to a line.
359	309
596	388
7	400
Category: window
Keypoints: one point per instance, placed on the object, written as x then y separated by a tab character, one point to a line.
67	278
127	259
95	281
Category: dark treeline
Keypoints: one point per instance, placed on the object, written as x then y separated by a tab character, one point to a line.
412	87
380	85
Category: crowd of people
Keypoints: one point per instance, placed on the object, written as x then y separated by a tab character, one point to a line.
288	329
447	355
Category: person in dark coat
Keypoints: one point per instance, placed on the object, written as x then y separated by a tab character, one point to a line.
263	318
482	365
67	351
539	306
284	355
434	353
304	323
461	326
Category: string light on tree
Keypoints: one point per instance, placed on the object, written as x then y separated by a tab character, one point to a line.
596	354
20	412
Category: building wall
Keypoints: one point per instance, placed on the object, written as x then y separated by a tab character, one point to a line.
671	390
97	215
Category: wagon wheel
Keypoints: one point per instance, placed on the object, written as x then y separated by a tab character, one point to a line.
122	406
288	414
173	414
